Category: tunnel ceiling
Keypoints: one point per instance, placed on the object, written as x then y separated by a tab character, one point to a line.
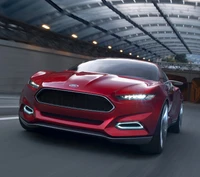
140	27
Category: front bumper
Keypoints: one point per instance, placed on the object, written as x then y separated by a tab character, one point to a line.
123	140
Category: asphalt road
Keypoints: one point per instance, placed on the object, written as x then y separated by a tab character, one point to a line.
9	105
57	154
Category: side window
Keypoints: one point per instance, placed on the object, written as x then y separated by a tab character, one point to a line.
164	76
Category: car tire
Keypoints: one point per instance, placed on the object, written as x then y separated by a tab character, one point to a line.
27	128
157	143
176	127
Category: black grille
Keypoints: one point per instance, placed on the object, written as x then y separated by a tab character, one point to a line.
73	119
74	100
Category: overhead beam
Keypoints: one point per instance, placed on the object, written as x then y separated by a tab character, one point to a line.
159	51
96	36
149	47
112	41
98	22
155	49
151	42
124	46
169	41
170	24
69	14
141	54
110	6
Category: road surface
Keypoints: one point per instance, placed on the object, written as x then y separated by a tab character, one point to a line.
58	154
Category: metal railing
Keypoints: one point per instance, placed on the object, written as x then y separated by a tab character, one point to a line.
21	32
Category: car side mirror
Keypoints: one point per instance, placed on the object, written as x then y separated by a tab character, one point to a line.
176	83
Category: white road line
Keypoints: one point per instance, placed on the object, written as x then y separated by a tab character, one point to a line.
13	98
9	118
9	106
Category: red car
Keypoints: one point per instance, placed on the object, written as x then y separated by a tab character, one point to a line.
122	100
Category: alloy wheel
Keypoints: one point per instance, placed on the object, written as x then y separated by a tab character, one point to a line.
180	116
164	126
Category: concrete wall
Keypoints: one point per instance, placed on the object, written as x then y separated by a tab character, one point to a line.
19	61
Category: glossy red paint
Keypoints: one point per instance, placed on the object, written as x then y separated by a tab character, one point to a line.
147	112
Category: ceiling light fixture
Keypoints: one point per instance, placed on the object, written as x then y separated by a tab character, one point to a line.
110	47
94	42
45	26
121	51
74	36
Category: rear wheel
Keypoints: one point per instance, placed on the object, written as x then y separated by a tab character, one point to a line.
157	143
176	127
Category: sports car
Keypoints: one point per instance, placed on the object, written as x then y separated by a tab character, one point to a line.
122	100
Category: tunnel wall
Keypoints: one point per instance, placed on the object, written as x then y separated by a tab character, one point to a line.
19	61
195	90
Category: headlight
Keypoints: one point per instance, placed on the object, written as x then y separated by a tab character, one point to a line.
33	84
136	97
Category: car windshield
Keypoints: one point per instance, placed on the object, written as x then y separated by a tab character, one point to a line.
123	67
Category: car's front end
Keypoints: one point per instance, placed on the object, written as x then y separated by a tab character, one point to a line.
116	108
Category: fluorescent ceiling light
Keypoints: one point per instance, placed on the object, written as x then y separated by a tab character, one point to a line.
45	26
74	36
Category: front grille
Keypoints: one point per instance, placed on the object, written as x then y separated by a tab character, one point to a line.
74	100
73	119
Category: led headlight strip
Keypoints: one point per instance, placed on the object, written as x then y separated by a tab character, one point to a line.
136	97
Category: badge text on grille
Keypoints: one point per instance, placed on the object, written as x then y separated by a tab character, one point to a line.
73	85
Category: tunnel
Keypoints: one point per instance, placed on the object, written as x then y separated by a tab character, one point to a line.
99	88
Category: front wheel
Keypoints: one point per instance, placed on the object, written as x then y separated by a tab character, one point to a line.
157	143
176	127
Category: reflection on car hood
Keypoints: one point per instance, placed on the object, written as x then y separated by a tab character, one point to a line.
93	82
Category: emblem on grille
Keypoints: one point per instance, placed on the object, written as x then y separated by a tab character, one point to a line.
73	85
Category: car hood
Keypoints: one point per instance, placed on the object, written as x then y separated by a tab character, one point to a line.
95	82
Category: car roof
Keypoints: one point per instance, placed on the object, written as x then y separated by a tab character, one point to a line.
129	60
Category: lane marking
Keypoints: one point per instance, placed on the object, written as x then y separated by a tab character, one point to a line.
8	106
13	98
9	118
